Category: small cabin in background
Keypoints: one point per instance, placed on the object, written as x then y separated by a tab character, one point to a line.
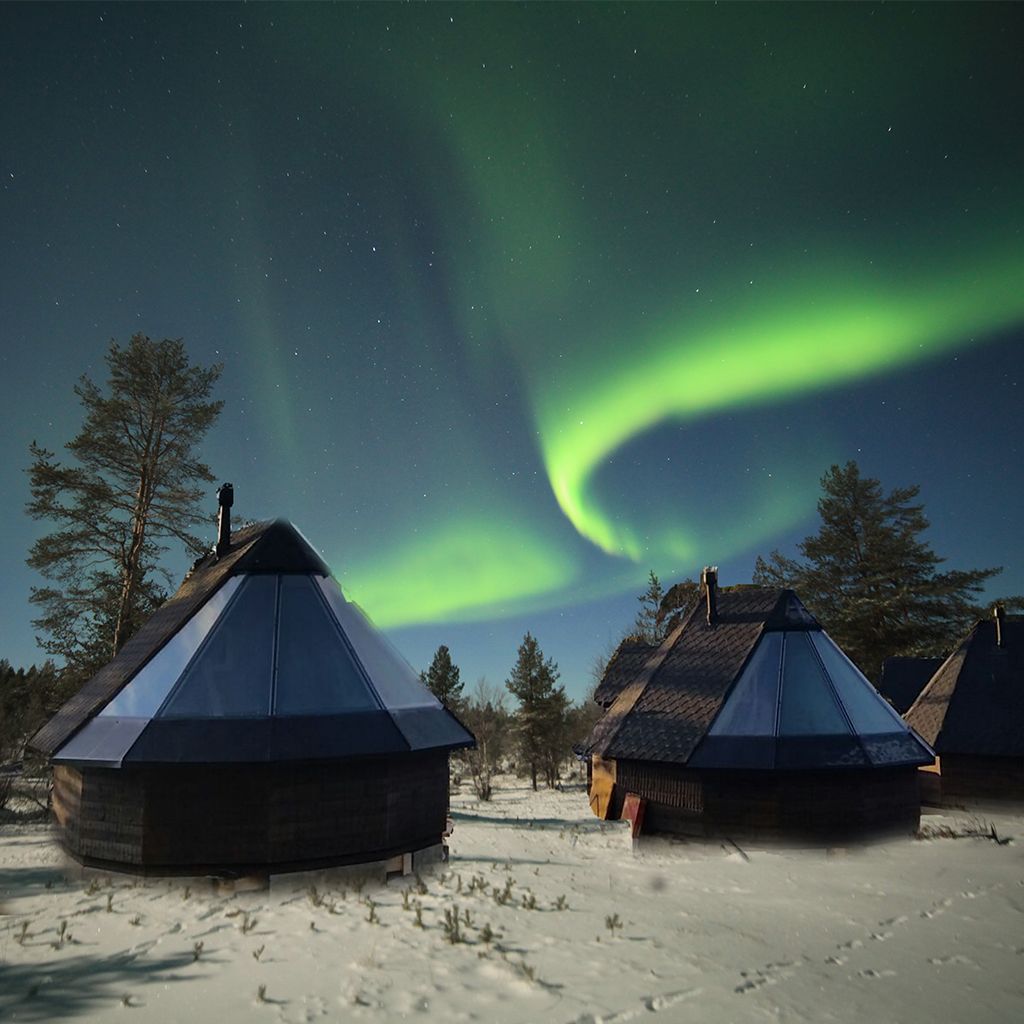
749	719
256	723
972	712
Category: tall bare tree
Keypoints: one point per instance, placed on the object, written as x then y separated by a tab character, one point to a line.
137	483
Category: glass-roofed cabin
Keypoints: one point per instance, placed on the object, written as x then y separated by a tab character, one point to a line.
749	719
256	723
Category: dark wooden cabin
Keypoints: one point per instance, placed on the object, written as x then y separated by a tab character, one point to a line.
256	723
903	678
749	719
972	713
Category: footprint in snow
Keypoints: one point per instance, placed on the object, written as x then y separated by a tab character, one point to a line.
870	972
656	1003
881	936
955	958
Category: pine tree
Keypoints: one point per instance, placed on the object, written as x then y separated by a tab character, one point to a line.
870	577
660	610
646	627
137	483
676	604
442	679
542	719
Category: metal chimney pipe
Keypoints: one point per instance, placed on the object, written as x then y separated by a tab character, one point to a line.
225	499
999	613
709	579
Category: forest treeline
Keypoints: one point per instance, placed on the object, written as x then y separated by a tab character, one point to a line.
134	484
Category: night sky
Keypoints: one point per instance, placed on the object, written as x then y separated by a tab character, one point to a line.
517	303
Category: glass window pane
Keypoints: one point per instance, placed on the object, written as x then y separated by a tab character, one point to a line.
315	671
231	674
808	706
142	697
870	713
750	708
394	679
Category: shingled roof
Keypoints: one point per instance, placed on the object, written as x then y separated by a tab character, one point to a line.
818	711
622	668
197	586
974	704
207	677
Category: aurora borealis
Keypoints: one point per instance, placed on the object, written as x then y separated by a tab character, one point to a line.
519	302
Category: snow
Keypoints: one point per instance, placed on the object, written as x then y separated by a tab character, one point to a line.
587	930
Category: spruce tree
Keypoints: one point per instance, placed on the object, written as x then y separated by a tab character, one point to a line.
871	578
676	605
662	610
647	627
542	718
137	483
442	679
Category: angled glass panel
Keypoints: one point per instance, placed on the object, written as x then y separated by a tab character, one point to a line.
750	709
394	679
869	711
103	741
316	673
142	697
230	676
808	706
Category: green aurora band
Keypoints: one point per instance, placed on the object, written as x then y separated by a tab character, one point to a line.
582	195
461	570
814	340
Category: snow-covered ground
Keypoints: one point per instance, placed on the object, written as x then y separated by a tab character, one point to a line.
559	920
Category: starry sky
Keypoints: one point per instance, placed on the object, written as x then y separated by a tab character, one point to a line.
519	302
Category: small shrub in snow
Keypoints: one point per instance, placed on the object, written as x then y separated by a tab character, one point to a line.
502	896
197	950
452	932
611	922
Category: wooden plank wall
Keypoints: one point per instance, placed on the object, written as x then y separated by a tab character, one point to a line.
965	778
691	802
252	816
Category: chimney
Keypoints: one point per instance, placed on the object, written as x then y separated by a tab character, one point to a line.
225	499
999	614
709	579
